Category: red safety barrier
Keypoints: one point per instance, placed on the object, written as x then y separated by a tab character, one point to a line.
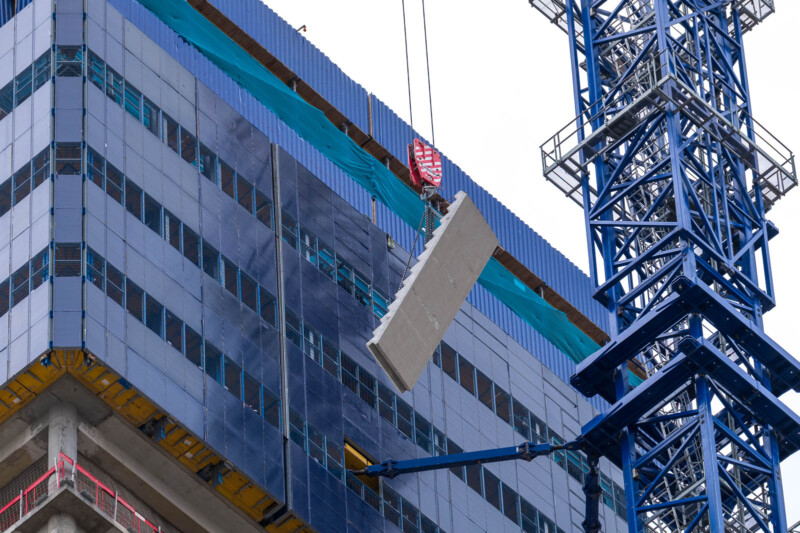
67	472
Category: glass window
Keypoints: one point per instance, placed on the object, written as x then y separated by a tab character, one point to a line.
227	179
439	443
41	167
150	117
491	485
68	260
115	284
380	305
170	130
312	343
173	330
335	454
68	159
95	268
40	268
41	70
152	214
233	378
449	361
538	430
272	408
423	433
453	448
115	181
385	399
502	404
330	358
69	61
23	85
134	300
244	193
410	518
22	184
191	245
4	297
133	101
530	518
405	418
485	393
362	290
96	166
6	99
366	388
521	420
344	276
230	277
5	197
194	346
155	314
316	444
466	374
172	229
20	284
391	505
293	327
289	230
252	393
188	147
210	260
213	362
267	306
97	70
428	526
249	290
133	199
308	246
350	375
546	525
474	477
114	85
263	209
208	164
297	429
326	260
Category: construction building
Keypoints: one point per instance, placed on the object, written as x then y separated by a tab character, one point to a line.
190	284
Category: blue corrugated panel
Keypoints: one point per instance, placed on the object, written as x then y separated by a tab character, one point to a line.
6	11
297	53
245	104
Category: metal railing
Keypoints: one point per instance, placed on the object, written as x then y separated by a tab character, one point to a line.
67	474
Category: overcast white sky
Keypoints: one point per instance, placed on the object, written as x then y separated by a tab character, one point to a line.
501	87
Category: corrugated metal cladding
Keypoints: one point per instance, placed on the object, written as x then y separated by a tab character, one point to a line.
297	53
549	260
389	130
516	236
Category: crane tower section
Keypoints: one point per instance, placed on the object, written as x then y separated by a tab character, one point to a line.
675	177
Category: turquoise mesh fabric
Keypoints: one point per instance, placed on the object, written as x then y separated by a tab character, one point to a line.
312	125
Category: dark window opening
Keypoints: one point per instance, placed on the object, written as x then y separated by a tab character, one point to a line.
69	61
467	375
152	214
170	132
230	277
272	408
114	84
22	184
41	70
208	164
213	362
68	159
95	268
20	284
355	459
114	182
133	101
252	396
134	297
41	167
191	245
249	290
97	71
244	194
173	330
449	361
210	260
172	230
233	378
154	318
115	284
150	117
474	478
23	85
194	346
263	209
227	179
133	199
5	197
6	99
188	147
268	306
68	260
40	268
289	230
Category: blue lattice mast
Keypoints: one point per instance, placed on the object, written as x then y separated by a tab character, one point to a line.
675	176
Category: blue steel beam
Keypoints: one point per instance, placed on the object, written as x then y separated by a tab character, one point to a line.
675	177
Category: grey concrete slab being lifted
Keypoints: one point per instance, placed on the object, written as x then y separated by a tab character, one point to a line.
436	287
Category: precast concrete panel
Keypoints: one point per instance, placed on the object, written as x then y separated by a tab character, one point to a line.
437	285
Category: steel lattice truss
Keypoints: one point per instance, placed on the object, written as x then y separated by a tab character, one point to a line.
675	177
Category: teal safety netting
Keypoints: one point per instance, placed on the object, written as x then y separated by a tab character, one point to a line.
311	124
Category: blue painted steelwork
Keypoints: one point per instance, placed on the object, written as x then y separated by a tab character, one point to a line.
675	177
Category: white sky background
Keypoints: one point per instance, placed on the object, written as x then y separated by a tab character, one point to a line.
502	86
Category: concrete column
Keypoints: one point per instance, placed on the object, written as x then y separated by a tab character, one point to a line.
62	432
60	523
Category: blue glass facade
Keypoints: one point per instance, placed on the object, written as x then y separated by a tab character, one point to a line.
166	223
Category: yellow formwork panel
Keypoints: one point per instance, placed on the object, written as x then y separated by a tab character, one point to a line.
138	410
